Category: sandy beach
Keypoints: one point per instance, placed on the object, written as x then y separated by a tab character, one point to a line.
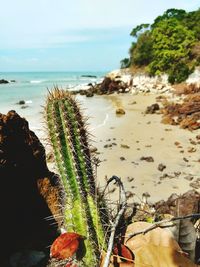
122	140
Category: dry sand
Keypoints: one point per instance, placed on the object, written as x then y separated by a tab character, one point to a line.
145	136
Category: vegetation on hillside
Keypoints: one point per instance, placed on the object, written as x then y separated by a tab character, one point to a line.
170	45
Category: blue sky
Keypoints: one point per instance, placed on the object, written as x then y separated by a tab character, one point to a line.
63	35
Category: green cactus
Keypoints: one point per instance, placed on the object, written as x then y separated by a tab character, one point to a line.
69	140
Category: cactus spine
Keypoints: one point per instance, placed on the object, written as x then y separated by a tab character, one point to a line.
69	140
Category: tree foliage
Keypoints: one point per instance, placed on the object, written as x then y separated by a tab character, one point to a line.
170	45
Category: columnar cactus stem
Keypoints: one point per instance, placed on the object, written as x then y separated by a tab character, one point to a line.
69	140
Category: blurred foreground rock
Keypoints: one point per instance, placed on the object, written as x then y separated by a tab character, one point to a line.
28	193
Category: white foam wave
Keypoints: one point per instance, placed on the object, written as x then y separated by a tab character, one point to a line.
28	101
36	81
103	123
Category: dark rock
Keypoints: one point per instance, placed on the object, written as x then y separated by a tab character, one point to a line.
125	146
161	167
28	191
179	205
89	93
21	102
2	81
129	194
24	106
120	111
122	158
148	159
195	184
89	76
152	109
12	81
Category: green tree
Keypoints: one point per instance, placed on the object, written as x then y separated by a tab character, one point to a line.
139	29
172	46
141	53
178	14
125	63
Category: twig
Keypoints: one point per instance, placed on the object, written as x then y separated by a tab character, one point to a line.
159	224
122	203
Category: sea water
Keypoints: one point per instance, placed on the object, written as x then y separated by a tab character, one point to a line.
32	87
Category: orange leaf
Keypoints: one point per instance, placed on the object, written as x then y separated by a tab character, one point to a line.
124	252
65	246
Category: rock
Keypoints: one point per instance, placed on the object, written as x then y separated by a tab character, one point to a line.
195	184
24	106
93	149
89	76
148	159
27	258
161	167
130	179
189	177
125	146
2	81
122	158
129	194
21	102
13	81
180	205
191	149
152	109
28	190
120	111
89	93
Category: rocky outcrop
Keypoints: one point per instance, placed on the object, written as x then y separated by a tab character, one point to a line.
2	81
28	191
185	113
176	205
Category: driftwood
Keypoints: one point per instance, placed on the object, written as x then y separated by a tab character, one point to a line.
122	207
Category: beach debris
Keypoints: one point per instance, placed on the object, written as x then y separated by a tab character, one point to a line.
129	194
189	177
65	246
161	167
191	149
125	146
120	111
122	158
147	159
195	184
152	109
185	159
155	247
130	179
93	149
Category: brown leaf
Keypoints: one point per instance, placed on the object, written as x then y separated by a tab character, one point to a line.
123	252
65	246
157	248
